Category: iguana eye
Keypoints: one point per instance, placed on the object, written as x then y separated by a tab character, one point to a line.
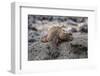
64	30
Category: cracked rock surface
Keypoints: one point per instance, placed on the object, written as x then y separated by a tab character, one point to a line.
68	50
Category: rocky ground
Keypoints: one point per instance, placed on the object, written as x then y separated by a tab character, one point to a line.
37	50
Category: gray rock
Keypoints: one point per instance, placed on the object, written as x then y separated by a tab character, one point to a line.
68	50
